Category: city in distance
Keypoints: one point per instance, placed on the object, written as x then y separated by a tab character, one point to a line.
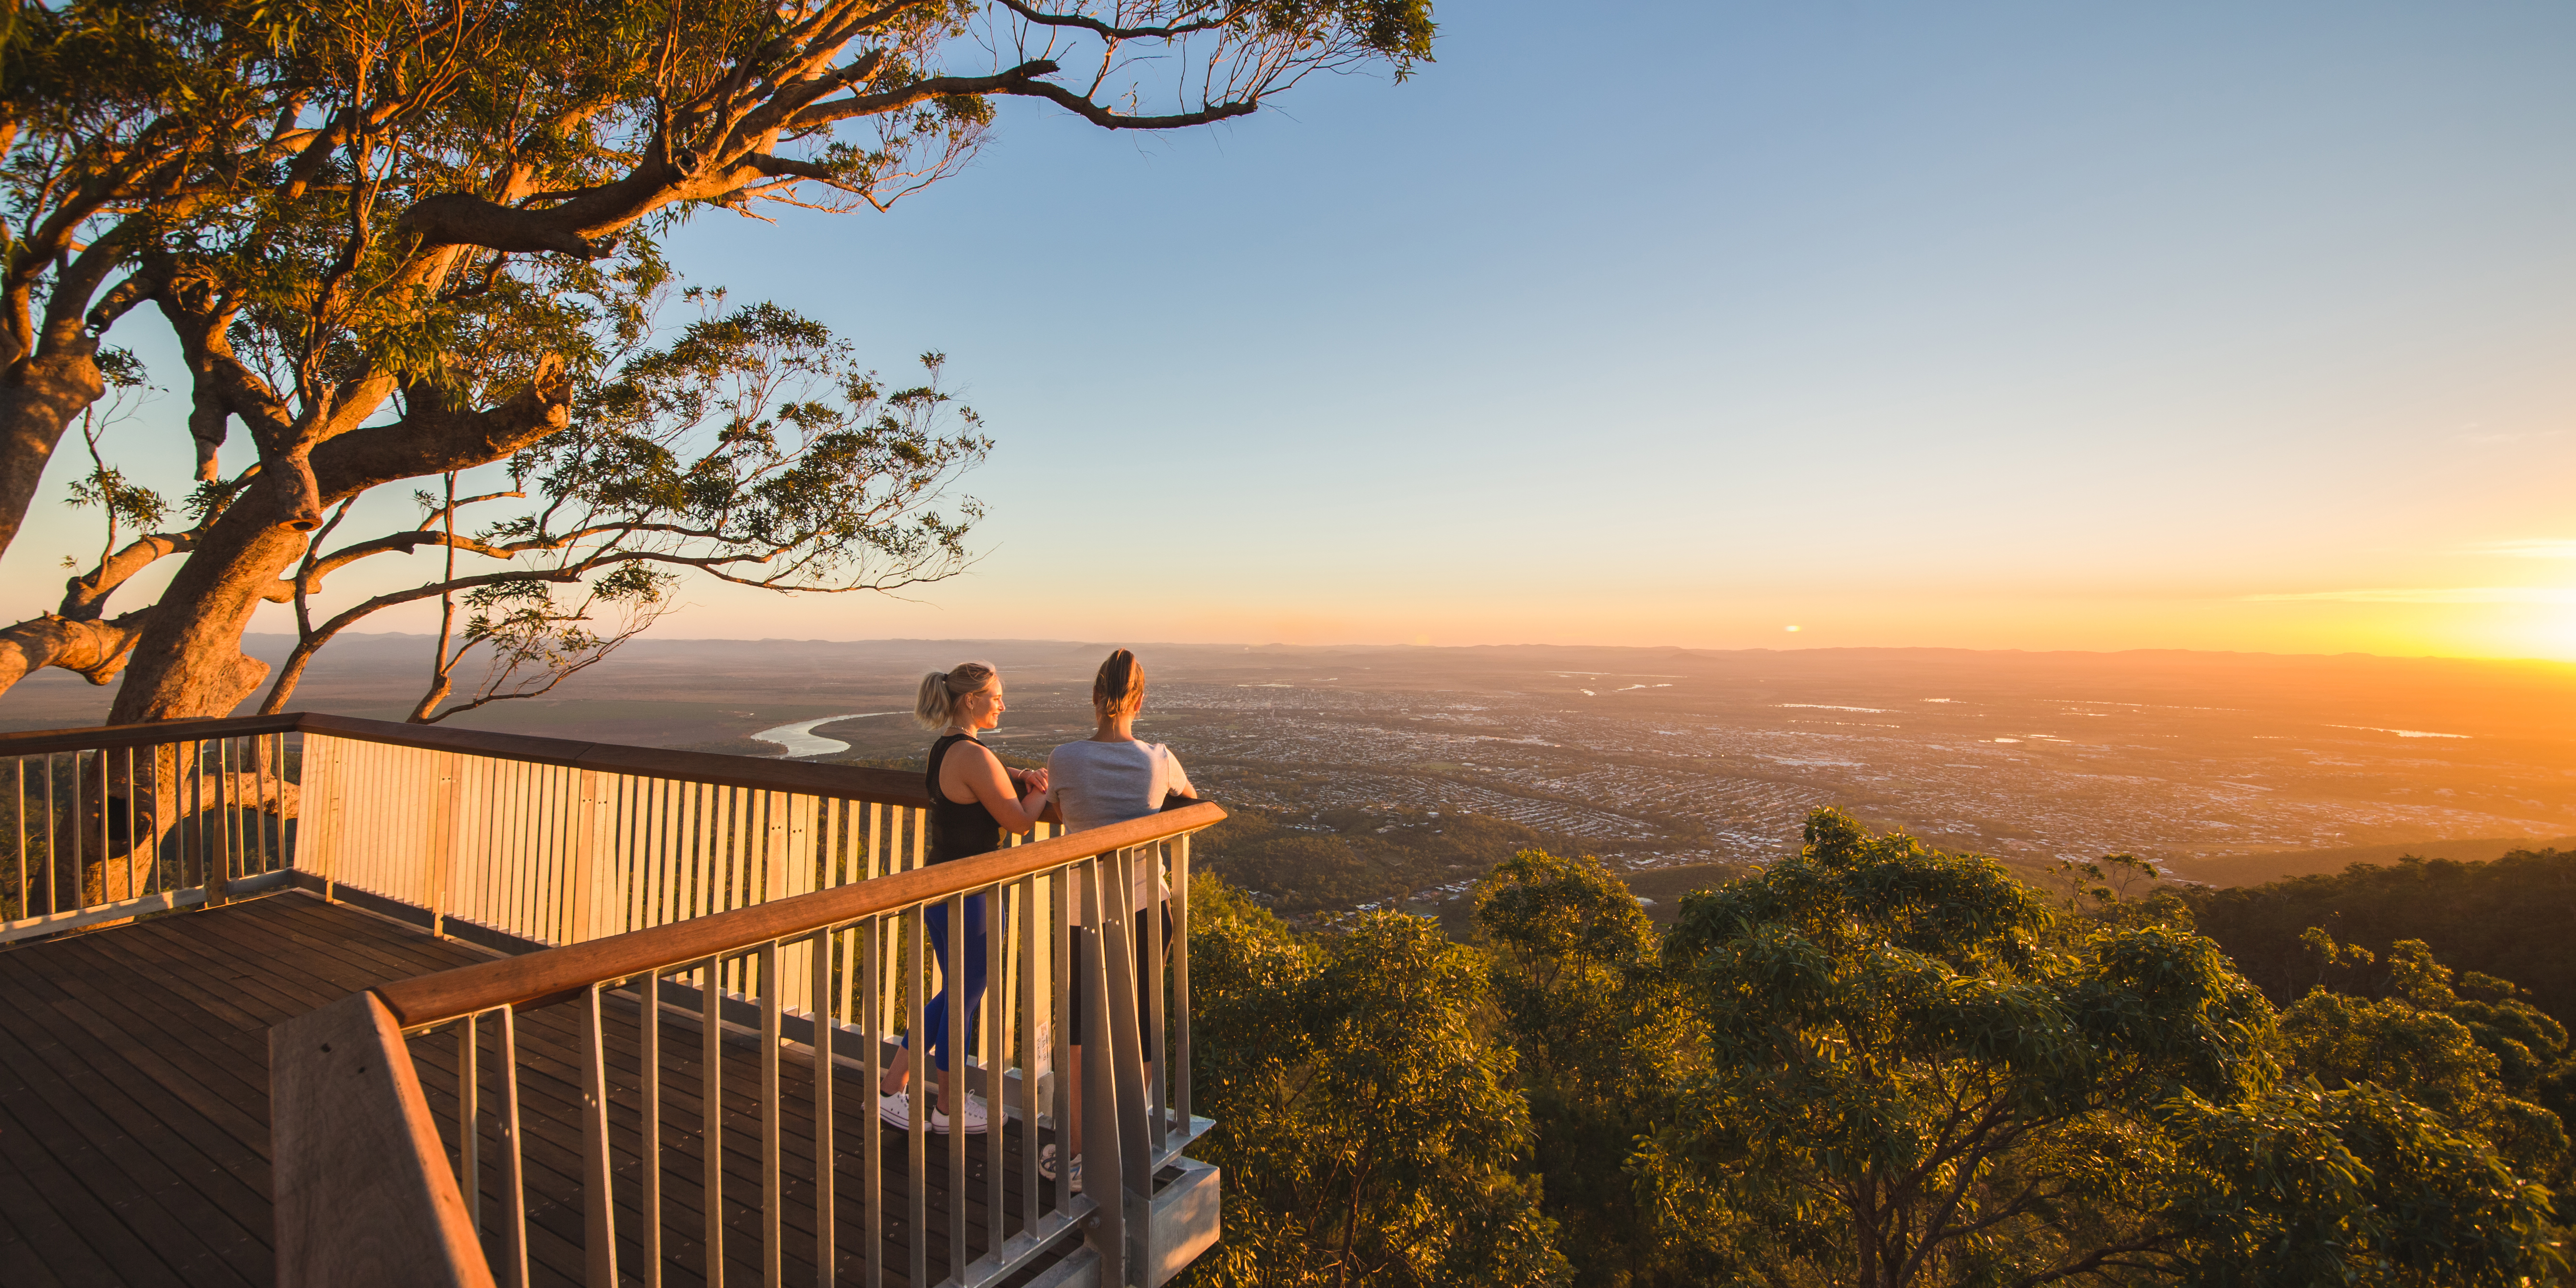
2225	768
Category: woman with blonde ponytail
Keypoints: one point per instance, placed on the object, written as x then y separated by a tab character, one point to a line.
973	801
1109	778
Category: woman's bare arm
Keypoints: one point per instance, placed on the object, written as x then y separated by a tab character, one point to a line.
981	774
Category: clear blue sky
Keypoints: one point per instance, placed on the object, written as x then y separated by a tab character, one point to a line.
1995	324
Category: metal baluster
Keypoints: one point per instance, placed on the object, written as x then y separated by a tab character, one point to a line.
133	838
826	1213
711	1097
1180	1054
648	1041
230	848
53	864
469	1131
771	1200
952	971
872	1038
514	1172
599	1170
1100	1137
917	1146
160	860
1030	1029
80	852
997	1117
1156	1039
1060	1005
18	835
103	759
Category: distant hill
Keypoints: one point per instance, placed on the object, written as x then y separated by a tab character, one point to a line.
2507	917
2227	870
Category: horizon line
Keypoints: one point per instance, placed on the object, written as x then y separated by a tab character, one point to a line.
1398	646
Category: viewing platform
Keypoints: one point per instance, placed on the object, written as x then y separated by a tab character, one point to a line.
396	1034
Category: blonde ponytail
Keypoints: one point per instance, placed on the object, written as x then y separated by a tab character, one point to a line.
936	708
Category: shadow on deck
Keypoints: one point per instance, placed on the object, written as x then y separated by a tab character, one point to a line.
134	1113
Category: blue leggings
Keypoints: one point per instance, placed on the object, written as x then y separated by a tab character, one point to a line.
935	1011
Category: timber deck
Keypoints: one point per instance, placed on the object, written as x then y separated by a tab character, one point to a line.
134	1115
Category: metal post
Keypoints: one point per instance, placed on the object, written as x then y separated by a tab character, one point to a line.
952	970
469	1129
917	1147
771	1200
1118	952
826	1251
648	1041
1099	1107
1180	1053
997	1115
599	1170
1030	1031
1157	1039
514	1175
872	1037
711	1097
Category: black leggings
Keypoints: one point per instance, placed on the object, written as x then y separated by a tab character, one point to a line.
1144	979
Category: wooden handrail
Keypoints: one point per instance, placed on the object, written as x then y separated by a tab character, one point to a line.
558	972
39	741
883	786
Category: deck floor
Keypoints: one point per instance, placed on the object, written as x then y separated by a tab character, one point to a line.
134	1113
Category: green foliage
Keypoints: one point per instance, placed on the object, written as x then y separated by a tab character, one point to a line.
1576	975
1870	1064
1906	1061
107	489
2480	1063
2507	919
1368	1129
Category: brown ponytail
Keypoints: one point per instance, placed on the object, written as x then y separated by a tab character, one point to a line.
1119	689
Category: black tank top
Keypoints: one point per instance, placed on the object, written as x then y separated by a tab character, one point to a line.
957	831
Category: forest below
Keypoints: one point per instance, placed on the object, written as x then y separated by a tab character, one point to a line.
1876	1063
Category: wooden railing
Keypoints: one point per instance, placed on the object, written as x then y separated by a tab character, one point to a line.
775	909
100	825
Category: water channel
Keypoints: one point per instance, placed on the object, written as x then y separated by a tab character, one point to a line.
799	738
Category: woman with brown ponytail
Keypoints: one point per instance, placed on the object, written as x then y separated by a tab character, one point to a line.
973	801
1109	778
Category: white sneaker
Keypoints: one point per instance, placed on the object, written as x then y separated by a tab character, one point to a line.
1046	1168
977	1117
897	1111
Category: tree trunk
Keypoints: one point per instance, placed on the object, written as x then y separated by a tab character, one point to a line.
38	400
189	664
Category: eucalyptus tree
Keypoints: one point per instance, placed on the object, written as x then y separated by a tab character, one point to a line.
399	241
1575	973
1918	1074
1370	1130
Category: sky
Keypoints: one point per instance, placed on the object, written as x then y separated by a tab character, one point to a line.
1996	325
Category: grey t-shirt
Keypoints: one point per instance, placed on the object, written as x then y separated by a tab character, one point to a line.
1096	784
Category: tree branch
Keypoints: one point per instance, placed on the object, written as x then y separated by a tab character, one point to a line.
1108	120
85	596
93	650
1106	31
